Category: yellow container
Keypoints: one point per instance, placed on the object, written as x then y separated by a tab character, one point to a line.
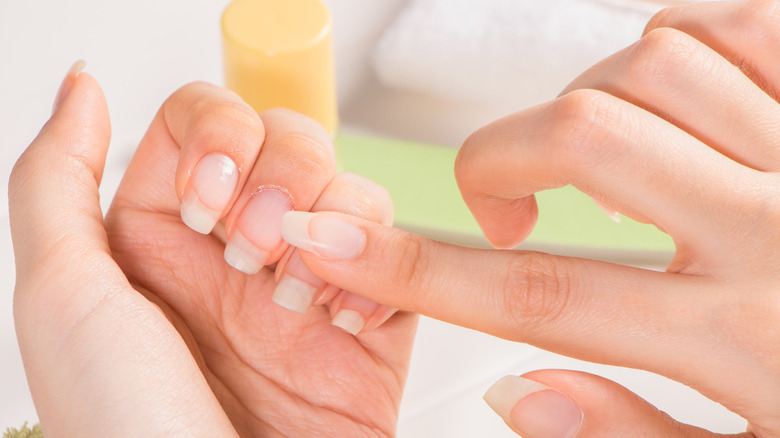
279	53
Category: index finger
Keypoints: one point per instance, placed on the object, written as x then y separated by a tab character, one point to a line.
590	310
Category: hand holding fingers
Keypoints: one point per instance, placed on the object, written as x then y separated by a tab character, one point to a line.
298	288
209	156
72	302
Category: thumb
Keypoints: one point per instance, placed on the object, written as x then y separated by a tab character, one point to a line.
98	355
53	190
573	404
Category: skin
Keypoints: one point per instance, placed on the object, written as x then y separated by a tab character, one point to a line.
679	130
145	329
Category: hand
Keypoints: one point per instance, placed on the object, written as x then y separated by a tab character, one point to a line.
679	130
137	326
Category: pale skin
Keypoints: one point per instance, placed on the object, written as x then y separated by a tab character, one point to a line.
679	130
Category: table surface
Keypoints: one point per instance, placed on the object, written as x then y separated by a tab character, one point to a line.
128	47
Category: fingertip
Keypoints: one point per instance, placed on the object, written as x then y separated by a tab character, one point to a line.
506	223
533	409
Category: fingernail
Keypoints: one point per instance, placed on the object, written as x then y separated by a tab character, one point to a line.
211	187
534	410
258	230
297	286
67	84
612	214
326	236
349	321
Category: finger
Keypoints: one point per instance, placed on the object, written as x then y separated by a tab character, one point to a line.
613	151
680	79
356	314
747	33
195	157
569	404
72	302
298	289
586	309
294	166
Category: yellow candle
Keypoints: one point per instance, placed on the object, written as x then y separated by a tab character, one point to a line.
279	53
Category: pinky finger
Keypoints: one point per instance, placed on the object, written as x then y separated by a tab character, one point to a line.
356	314
572	404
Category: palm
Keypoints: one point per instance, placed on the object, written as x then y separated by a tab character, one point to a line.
273	371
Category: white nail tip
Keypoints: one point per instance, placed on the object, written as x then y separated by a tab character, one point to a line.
241	254
196	216
294	294
349	321
504	394
295	229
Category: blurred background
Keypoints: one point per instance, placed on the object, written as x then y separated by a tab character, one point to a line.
428	71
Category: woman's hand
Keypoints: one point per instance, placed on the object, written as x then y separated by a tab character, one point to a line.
680	130
137	326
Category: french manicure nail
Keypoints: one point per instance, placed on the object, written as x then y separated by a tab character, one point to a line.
534	410
294	294
211	187
326	236
349	321
257	232
67	84
297	286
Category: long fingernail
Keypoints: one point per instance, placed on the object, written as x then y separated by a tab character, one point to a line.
297	286
258	230
534	410
324	235
210	189
349	321
67	84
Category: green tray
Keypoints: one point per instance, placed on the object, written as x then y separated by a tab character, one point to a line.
427	201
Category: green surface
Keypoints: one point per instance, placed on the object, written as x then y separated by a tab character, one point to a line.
421	181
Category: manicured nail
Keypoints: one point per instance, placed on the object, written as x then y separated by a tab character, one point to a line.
258	230
327	236
297	286
67	84
349	321
211	187
612	214
534	410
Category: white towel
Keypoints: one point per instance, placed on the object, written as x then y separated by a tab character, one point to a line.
518	52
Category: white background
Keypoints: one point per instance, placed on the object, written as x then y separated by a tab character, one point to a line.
143	50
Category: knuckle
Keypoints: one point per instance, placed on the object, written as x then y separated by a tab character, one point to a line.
358	196
466	161
658	58
536	290
761	20
584	122
413	262
662	18
309	159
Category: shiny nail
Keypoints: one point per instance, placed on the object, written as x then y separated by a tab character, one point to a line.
211	187
67	84
327	236
294	294
534	410
258	230
349	321
298	286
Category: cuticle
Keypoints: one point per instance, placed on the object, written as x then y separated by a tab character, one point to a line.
277	188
